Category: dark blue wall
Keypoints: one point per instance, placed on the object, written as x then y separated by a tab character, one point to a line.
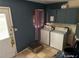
63	15
22	19
67	16
51	9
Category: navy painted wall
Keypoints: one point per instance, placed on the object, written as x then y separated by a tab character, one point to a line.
67	16
51	9
22	19
63	15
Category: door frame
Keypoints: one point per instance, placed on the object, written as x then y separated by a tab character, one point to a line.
12	26
10	22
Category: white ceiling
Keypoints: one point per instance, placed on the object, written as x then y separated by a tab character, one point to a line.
47	1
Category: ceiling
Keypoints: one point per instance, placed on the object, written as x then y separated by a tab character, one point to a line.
48	1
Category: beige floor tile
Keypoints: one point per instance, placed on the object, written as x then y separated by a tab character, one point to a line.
46	52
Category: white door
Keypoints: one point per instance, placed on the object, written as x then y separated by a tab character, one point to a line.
7	39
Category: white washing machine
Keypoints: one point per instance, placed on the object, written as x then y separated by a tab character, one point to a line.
45	36
56	39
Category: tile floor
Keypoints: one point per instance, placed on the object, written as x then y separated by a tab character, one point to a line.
46	52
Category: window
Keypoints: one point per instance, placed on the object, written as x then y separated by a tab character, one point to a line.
3	27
